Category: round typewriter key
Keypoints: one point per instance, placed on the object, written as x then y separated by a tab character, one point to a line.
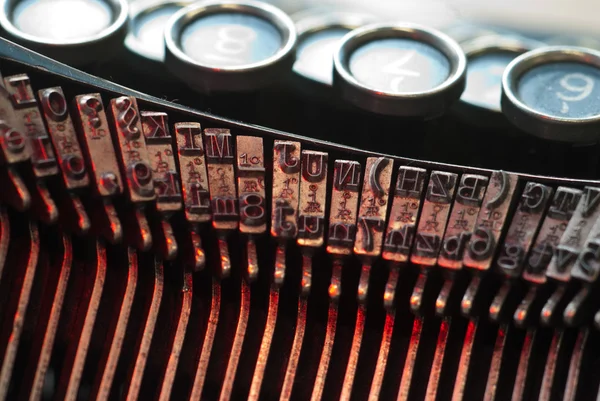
145	39
73	31
318	38
399	70
554	93
487	57
230	45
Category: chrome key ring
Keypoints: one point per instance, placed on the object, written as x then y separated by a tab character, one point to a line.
76	50
429	103
214	77
543	123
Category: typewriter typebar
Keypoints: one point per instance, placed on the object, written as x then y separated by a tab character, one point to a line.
151	251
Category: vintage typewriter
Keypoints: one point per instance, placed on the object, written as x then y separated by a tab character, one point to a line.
404	243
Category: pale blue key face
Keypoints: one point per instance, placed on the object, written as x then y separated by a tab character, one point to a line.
230	40
484	79
562	89
399	66
62	19
314	58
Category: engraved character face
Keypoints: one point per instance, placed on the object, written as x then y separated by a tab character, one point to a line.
347	175
410	182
